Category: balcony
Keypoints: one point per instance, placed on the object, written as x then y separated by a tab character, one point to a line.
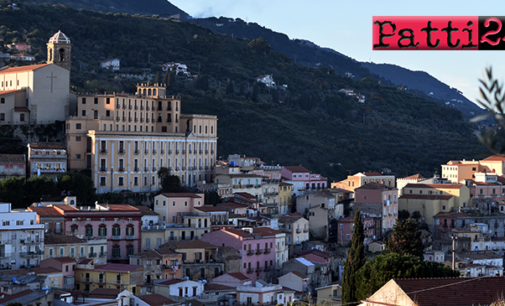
141	119
121	152
124	106
130	106
103	169
155	169
201	152
124	119
268	269
154	151
176	152
101	281
136	119
142	107
130	237
86	280
305	230
102	254
148	120
250	252
31	254
298	230
118	118
146	169
211	151
136	107
147	107
260	251
130	119
136	152
118	106
190	151
268	251
136	169
162	152
183	151
249	271
146	151
169	151
90	255
259	269
116	237
121	169
103	151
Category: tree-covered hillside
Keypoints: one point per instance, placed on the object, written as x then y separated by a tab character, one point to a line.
307	122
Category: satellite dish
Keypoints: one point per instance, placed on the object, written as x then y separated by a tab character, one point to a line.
40	205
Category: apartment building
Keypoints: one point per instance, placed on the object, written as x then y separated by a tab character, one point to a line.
158	264
296	228
74	247
116	276
12	165
361	178
169	205
47	158
22	239
302	179
125	139
119	224
281	248
257	249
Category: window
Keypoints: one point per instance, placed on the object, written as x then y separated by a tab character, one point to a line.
77	156
102	181
77	126
121	181
22	117
2	117
83	100
83	113
96	100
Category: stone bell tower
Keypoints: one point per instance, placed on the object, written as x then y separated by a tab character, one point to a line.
59	50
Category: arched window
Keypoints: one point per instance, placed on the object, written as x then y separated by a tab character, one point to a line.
62	55
149	92
154	92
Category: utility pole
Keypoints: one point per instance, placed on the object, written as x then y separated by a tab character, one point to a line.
454	238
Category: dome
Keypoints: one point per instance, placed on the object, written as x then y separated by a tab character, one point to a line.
59	38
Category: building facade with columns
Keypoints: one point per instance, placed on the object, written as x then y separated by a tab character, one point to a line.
124	139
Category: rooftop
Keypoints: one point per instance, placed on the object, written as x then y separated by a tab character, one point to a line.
453	291
190	244
265	231
435	186
47	145
426	196
210	208
117	267
217	287
62	239
104	293
146	211
156	299
239	276
22	69
296	169
375	186
498	157
63	260
45	211
182	195
416	177
12	157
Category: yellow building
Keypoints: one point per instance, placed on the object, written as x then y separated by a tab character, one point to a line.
329	295
116	276
74	247
285	197
430	199
124	139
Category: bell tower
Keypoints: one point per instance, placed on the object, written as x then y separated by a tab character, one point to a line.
59	50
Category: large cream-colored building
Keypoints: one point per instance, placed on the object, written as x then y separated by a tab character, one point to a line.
38	94
124	139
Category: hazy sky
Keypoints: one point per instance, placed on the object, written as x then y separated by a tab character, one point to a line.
346	26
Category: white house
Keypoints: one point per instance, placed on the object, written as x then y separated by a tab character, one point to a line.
294	280
180	69
22	239
434	255
262	293
182	288
112	63
22	57
266	79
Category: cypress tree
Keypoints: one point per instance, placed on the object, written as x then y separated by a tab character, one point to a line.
354	261
165	78
406	239
157	80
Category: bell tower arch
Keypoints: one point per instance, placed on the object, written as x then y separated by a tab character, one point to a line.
59	50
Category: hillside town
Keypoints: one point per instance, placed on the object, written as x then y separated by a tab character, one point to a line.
278	234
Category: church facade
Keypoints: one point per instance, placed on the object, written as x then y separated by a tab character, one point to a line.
38	94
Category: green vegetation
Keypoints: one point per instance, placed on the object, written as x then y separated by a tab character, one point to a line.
354	261
308	122
380	270
406	239
169	182
79	185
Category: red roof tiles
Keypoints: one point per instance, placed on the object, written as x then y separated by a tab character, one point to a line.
296	169
156	299
22	69
45	211
265	231
6	92
239	276
495	158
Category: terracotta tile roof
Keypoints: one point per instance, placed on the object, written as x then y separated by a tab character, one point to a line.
217	287
372	174
148	254
239	276
265	231
453	291
417	177
171	282
64	260
295	169
289	219
435	186
239	233
66	208
375	186
20	158
47	145
8	297
22	69
478	255
8	92
316	252
182	195
339	190
37	271
190	244
104	293
61	239
349	219
45	211
167	252
232	205
295	215
298	274
426	196
146	211
245	195
120	207
85	261
156	299
495	158
22	109
117	267
210	208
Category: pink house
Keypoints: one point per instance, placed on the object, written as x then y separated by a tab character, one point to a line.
171	205
302	179
67	267
120	224
257	251
346	226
